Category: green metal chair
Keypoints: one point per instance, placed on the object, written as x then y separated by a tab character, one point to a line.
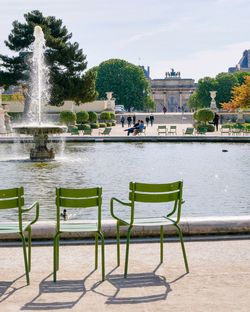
150	193
188	131
87	131
106	131
173	130
79	198
14	199
201	130
162	129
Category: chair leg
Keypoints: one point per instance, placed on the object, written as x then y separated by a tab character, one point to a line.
29	248
55	255
127	251
26	265
182	247
103	255
161	244
96	251
118	242
57	252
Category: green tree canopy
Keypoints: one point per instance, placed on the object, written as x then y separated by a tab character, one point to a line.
223	83
67	62
128	83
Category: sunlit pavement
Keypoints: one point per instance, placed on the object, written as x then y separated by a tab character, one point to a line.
219	279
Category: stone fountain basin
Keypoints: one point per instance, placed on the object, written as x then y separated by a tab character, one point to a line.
39	129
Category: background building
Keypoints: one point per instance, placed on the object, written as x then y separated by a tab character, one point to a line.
243	65
172	92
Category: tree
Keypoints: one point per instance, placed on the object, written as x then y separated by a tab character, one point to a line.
67	117
205	85
225	83
193	101
204	115
128	83
82	117
241	96
66	61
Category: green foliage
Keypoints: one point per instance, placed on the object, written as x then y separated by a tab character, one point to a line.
94	125
128	83
240	76
105	116
223	83
15	116
82	116
113	122
102	125
93	117
112	115
67	62
85	127
204	115
67	117
210	128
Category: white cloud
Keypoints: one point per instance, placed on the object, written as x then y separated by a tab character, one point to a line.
204	63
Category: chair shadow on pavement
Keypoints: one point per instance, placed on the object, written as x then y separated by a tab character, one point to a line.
138	288
62	293
8	288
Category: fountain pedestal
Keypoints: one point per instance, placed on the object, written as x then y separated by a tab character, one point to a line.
40	152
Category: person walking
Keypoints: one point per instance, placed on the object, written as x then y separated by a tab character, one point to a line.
129	120
134	119
216	121
151	118
122	121
147	120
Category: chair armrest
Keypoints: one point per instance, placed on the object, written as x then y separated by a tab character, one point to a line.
113	199
36	205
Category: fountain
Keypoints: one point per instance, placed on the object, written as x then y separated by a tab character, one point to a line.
38	97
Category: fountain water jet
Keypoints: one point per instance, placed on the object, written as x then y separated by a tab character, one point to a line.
39	96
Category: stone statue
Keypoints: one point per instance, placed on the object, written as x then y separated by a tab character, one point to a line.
173	74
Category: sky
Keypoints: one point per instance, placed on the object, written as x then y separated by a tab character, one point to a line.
196	37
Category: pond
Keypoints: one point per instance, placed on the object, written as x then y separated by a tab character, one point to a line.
215	182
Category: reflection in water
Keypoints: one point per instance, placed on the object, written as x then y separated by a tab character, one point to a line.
215	183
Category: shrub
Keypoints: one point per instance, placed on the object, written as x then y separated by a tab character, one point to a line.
112	116
113	122
85	127
82	116
210	128
102	125
105	116
67	118
92	117
94	125
204	115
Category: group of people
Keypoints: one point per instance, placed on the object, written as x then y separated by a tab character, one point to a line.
137	128
133	119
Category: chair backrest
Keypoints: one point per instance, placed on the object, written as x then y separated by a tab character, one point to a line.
13	199
78	198
107	130
161	127
87	132
189	131
157	193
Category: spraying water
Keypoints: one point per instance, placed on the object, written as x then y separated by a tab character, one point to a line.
39	79
39	96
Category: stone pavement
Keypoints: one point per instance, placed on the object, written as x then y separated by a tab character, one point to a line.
219	279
